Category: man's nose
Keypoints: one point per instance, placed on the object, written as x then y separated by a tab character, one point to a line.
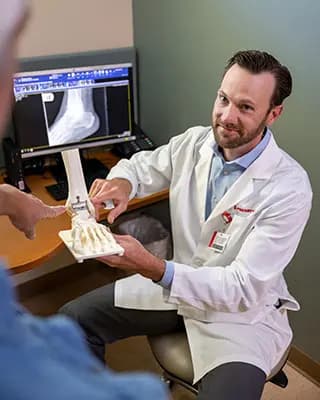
229	114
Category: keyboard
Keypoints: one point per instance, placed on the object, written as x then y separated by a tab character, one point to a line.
59	191
93	170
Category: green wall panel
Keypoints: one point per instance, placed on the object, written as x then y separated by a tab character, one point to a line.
182	47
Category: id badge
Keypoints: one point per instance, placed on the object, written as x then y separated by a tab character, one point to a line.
219	241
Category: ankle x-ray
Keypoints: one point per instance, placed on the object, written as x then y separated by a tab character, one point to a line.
76	118
86	238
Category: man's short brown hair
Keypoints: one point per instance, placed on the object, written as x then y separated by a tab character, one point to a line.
256	61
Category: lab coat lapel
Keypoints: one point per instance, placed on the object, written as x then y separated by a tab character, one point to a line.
242	188
260	170
202	170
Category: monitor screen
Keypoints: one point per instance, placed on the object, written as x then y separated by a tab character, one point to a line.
80	107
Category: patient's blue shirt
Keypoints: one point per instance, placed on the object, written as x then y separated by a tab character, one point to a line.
47	358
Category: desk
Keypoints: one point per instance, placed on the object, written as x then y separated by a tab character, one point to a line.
22	254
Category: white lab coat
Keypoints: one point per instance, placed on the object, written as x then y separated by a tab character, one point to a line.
227	299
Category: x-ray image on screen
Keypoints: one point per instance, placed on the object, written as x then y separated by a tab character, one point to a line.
73	115
85	106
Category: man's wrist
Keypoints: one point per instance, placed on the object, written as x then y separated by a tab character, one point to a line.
167	277
158	272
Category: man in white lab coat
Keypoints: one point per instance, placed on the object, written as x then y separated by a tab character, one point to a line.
238	205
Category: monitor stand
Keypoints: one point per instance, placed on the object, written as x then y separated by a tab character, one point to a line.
57	169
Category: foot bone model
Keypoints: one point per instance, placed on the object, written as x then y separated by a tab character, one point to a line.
76	118
88	236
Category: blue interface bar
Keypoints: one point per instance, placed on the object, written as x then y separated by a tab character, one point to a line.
42	82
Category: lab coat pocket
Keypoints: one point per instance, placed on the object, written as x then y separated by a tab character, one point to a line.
287	304
239	229
242	222
251	317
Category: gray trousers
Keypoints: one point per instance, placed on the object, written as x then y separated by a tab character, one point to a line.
104	323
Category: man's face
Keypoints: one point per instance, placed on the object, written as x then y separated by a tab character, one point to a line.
242	108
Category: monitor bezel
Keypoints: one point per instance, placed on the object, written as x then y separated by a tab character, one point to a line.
110	57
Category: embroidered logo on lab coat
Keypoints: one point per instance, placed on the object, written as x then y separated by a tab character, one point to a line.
242	210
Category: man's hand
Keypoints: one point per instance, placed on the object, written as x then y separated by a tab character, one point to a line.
25	210
136	259
118	190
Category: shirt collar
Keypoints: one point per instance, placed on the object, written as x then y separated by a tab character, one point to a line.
248	158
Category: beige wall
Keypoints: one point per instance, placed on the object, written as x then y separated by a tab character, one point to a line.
63	26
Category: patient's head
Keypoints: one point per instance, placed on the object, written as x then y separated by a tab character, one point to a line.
13	16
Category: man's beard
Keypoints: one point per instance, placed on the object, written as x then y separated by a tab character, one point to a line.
243	137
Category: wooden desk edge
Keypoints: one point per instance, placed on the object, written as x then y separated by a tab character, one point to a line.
133	205
31	264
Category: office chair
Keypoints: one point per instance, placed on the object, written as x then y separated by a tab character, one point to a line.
173	355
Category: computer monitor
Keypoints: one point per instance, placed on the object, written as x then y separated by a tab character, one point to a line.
75	106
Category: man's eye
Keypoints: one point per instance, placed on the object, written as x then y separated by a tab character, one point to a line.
246	107
222	98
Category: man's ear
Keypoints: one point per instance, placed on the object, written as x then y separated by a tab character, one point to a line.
274	114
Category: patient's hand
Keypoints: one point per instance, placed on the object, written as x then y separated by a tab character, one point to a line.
25	210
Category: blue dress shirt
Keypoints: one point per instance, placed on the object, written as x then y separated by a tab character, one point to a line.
222	175
47	358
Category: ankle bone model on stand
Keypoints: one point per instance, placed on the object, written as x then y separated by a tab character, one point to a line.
88	238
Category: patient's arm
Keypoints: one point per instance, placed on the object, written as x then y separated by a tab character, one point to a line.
25	210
